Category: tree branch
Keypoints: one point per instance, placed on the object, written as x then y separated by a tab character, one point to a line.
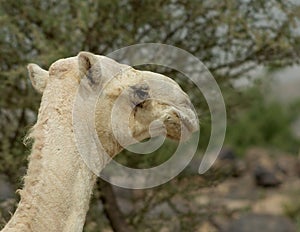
111	209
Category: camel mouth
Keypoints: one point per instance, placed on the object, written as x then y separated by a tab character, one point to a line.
191	124
181	123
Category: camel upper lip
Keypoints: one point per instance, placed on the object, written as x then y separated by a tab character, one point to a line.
190	124
188	118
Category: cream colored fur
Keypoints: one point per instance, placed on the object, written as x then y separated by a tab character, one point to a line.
58	184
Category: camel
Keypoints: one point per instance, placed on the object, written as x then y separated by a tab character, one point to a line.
58	184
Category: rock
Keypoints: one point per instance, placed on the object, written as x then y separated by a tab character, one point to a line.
261	223
165	229
263	168
259	157
171	225
242	188
273	204
228	164
221	221
225	160
227	153
202	200
206	227
265	177
239	168
183	205
162	209
236	204
287	164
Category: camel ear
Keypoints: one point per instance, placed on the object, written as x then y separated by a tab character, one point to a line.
38	77
89	66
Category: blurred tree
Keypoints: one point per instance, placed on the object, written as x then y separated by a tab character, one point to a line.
259	122
231	37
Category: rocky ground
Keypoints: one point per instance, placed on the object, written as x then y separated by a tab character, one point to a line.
261	195
257	193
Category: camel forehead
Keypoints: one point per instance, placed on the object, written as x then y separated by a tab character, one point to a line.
159	85
64	65
116	73
109	67
160	77
131	76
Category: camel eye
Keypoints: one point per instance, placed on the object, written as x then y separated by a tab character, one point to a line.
140	91
141	94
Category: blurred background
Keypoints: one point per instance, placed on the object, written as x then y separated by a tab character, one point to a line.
251	47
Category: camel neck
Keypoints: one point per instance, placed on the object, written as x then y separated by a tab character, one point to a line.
58	184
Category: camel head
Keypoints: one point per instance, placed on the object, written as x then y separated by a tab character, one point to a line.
126	102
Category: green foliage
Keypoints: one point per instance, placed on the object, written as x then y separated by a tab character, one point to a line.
262	123
152	159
